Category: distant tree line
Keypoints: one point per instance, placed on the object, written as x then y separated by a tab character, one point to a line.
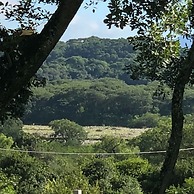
105	101
87	83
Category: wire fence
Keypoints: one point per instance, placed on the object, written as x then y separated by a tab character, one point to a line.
90	153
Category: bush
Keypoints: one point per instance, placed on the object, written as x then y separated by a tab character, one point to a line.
187	188
134	167
147	120
153	140
184	168
125	185
12	128
30	172
69	183
103	172
99	169
6	184
111	144
5	142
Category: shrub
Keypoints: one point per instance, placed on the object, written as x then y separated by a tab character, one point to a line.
134	167
102	171
6	184
99	169
5	142
69	183
187	188
147	120
184	168
30	172
153	140
12	128
125	185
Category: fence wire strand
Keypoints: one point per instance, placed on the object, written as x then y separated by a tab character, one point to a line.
90	153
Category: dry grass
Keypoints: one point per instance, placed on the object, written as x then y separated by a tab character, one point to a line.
95	133
41	130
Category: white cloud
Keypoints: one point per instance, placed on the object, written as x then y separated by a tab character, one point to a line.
83	26
93	26
86	24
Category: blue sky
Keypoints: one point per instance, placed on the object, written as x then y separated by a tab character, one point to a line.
86	24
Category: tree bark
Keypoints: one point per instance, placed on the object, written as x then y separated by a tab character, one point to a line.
175	138
177	123
35	50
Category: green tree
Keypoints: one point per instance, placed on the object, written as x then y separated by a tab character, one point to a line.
155	138
23	51
30	174
88	58
6	184
106	101
146	120
5	142
111	144
99	169
186	188
68	131
12	128
159	25
103	171
125	185
134	167
68	184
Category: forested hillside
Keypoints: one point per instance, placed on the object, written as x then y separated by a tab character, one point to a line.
87	83
89	58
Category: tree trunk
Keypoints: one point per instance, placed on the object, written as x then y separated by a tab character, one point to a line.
175	138
177	123
35	50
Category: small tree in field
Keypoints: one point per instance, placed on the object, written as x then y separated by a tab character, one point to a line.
68	131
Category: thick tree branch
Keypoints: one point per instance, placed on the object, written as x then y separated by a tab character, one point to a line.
35	50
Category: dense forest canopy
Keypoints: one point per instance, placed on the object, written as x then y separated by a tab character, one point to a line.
86	85
89	58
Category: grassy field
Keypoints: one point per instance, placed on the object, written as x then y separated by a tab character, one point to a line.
40	130
95	133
